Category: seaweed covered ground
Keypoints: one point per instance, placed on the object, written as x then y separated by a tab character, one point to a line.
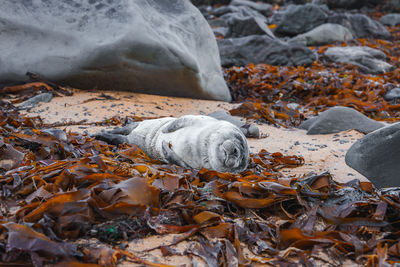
67	199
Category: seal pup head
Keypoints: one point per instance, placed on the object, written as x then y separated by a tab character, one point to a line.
228	151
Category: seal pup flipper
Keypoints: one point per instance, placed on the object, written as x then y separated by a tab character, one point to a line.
127	129
171	156
178	124
113	139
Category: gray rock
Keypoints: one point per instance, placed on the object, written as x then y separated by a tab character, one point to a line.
392	19
210	2
162	47
368	59
242	10
243	25
393	94
337	119
216	23
263	8
263	49
249	130
351	4
377	156
361	26
221	31
296	19
30	103
392	5
324	34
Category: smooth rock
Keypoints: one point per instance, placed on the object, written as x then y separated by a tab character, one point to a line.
324	34
361	26
210	2
243	25
249	130
242	10
351	4
368	59
377	156
149	46
338	119
44	97
296	19
263	49
393	94
392	5
263	8
223	31
392	19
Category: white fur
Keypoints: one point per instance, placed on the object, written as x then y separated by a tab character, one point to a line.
197	142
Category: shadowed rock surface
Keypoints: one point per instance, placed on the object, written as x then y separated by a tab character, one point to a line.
390	19
324	34
263	49
339	119
377	156
296	19
361	26
161	47
368	59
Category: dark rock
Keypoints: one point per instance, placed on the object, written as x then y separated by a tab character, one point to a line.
337	119
223	31
263	49
352	4
242	10
324	34
240	25
210	2
368	59
377	156
392	19
263	8
296	19
392	5
31	102
361	26
160	47
249	130
393	94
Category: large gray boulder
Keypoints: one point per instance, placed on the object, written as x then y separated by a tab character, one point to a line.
361	26
324	34
263	49
296	19
337	119
151	46
368	59
377	156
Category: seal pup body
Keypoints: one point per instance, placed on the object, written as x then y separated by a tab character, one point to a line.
193	141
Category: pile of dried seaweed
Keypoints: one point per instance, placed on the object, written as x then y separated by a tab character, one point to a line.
60	188
283	95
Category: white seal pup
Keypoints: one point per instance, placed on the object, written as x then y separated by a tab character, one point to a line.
191	141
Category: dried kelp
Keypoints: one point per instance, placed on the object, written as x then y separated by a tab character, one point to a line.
58	187
286	95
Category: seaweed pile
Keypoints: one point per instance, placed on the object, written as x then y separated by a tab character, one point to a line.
61	190
284	96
